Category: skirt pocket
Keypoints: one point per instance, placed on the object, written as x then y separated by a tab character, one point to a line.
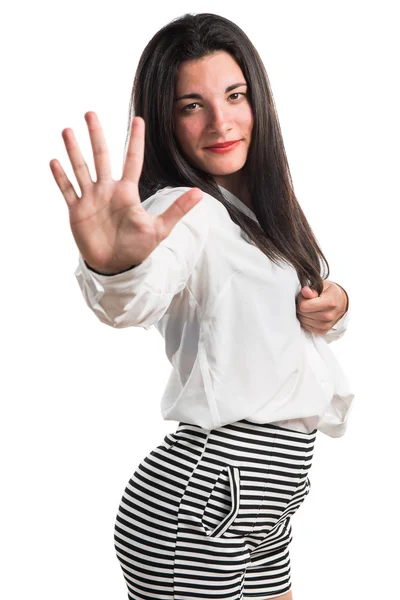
223	502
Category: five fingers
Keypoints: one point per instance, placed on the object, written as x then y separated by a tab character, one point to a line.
132	167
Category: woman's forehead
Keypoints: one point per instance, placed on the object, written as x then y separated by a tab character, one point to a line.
217	69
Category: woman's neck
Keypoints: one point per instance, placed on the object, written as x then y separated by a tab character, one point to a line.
237	185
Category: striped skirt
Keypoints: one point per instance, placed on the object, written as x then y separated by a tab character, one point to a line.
207	514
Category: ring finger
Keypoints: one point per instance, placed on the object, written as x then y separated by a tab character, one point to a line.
78	163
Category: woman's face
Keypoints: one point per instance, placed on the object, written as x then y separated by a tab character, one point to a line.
215	110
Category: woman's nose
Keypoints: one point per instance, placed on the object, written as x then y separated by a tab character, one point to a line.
220	118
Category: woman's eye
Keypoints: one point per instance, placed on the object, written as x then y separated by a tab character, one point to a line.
237	94
187	106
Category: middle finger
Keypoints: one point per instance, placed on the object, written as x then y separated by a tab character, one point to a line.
99	146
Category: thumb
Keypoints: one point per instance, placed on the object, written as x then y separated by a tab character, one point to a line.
307	292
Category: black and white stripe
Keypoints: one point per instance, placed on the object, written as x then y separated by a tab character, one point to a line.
207	513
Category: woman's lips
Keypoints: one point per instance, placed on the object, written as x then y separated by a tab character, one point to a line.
225	148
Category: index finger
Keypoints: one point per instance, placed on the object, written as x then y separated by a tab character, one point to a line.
134	156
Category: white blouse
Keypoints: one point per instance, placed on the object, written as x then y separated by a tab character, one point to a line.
228	317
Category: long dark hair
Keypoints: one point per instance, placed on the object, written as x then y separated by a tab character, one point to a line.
284	233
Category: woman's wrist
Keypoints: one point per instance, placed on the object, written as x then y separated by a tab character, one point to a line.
109	274
347	299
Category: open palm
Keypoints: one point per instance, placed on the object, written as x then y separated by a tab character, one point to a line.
109	225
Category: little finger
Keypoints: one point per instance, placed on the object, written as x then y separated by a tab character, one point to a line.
64	184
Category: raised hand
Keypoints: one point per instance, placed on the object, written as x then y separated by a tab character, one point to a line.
111	229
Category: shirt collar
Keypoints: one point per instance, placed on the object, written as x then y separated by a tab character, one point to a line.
238	203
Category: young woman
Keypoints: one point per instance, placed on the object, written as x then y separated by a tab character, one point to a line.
203	238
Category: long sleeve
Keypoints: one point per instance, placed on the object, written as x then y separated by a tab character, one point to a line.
141	296
338	330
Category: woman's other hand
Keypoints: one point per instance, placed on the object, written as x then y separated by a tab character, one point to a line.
319	314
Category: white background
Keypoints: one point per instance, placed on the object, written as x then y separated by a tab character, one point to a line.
80	400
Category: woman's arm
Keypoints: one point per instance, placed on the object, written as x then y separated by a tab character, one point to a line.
140	296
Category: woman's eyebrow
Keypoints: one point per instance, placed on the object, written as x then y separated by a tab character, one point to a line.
200	97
